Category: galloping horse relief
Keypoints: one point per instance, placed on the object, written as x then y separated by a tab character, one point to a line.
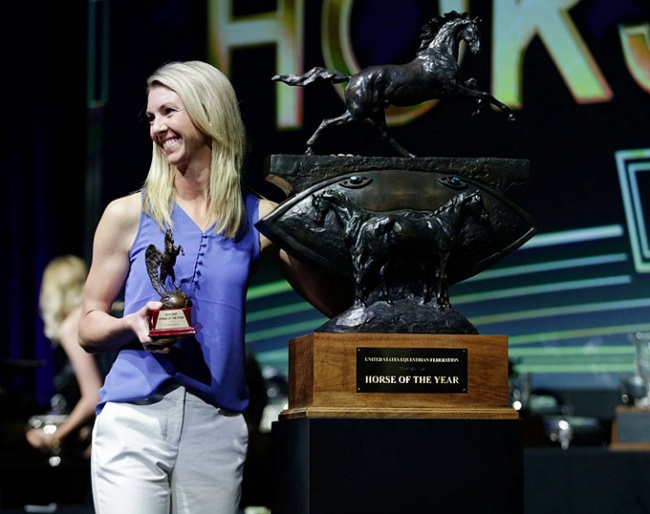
380	242
433	74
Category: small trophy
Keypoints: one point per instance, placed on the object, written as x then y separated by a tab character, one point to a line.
175	317
641	342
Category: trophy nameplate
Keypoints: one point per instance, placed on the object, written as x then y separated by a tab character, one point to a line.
171	322
175	316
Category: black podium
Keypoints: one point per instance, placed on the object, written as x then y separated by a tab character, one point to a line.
397	466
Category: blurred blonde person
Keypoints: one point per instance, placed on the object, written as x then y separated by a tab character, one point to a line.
60	300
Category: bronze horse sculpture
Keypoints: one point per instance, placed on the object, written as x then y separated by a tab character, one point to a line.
160	267
378	242
433	74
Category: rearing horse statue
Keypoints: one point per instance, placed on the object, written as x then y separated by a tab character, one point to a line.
160	265
433	74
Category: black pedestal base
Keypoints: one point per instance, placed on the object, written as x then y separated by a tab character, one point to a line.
397	466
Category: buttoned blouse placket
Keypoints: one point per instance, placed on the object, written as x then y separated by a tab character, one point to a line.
198	265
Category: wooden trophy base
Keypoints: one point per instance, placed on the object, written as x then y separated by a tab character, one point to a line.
172	332
171	322
631	429
365	375
398	423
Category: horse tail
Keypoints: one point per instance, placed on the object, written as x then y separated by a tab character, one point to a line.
315	74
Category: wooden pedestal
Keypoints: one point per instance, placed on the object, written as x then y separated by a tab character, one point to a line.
631	429
355	441
323	378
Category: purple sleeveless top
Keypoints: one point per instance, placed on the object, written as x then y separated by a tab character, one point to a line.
214	271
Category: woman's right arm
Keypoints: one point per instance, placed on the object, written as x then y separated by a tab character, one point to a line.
116	231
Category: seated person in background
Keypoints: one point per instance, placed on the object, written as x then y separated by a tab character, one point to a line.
60	308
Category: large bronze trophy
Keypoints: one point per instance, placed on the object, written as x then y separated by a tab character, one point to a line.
403	229
399	400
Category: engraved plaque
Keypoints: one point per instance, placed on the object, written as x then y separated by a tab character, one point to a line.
412	370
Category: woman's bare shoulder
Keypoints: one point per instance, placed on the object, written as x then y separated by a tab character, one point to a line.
125	205
124	211
120	220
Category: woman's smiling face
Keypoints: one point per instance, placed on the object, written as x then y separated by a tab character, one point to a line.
171	128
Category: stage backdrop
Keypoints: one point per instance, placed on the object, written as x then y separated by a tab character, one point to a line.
577	75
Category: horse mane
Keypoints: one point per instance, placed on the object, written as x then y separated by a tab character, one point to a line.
431	28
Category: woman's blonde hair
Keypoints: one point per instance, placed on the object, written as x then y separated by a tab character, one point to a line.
61	291
212	105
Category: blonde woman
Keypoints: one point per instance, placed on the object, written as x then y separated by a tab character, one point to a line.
60	299
170	436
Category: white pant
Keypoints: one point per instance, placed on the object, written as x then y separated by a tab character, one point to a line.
176	455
